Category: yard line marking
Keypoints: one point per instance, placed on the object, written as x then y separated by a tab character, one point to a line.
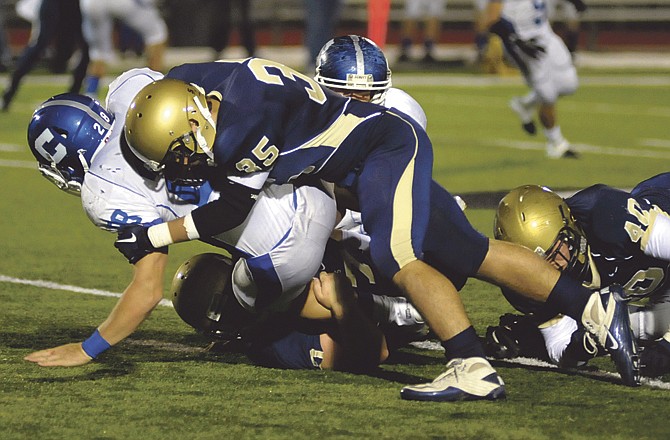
629	152
19	164
68	288
660	143
10	148
530	362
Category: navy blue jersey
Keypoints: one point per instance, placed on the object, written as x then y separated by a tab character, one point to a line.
276	120
269	110
614	223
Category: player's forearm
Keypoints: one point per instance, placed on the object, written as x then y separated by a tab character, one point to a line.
141	296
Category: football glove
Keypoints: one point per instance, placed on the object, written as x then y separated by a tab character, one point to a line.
515	335
133	242
505	30
529	47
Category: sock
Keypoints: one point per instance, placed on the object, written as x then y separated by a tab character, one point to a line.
554	134
567	297
91	85
571	40
406	43
481	40
464	345
529	100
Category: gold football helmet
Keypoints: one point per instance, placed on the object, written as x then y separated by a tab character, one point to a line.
202	296
170	128
539	219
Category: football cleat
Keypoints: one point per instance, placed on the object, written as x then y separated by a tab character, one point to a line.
606	318
524	113
465	379
561	150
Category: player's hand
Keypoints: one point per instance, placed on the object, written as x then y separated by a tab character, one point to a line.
133	242
333	291
68	355
530	47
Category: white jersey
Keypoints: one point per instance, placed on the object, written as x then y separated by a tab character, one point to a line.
282	240
529	17
396	98
98	23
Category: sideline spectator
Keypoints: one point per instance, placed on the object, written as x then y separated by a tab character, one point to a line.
55	20
321	18
221	25
430	12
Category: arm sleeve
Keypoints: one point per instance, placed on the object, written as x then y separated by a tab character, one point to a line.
227	212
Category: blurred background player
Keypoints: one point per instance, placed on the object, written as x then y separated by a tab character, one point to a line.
545	63
428	12
567	13
600	236
98	25
58	22
321	18
222	21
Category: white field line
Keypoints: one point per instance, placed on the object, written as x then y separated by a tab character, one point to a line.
652	383
67	288
426	345
11	148
612	151
31	164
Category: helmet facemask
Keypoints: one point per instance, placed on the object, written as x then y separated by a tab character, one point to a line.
569	253
185	163
170	128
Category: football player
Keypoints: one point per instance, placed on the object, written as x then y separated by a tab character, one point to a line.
81	148
269	121
339	322
98	25
75	142
544	61
600	236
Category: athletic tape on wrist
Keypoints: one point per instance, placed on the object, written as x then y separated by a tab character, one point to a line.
191	230
95	344
159	235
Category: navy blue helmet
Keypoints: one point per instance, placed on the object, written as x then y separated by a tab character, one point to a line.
64	134
352	62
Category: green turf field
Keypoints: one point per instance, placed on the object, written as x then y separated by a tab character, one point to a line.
160	383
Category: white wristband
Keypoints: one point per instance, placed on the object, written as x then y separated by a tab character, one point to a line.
159	235
191	230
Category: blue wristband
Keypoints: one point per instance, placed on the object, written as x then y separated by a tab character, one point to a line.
95	344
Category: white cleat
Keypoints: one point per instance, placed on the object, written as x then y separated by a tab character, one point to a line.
561	150
465	379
